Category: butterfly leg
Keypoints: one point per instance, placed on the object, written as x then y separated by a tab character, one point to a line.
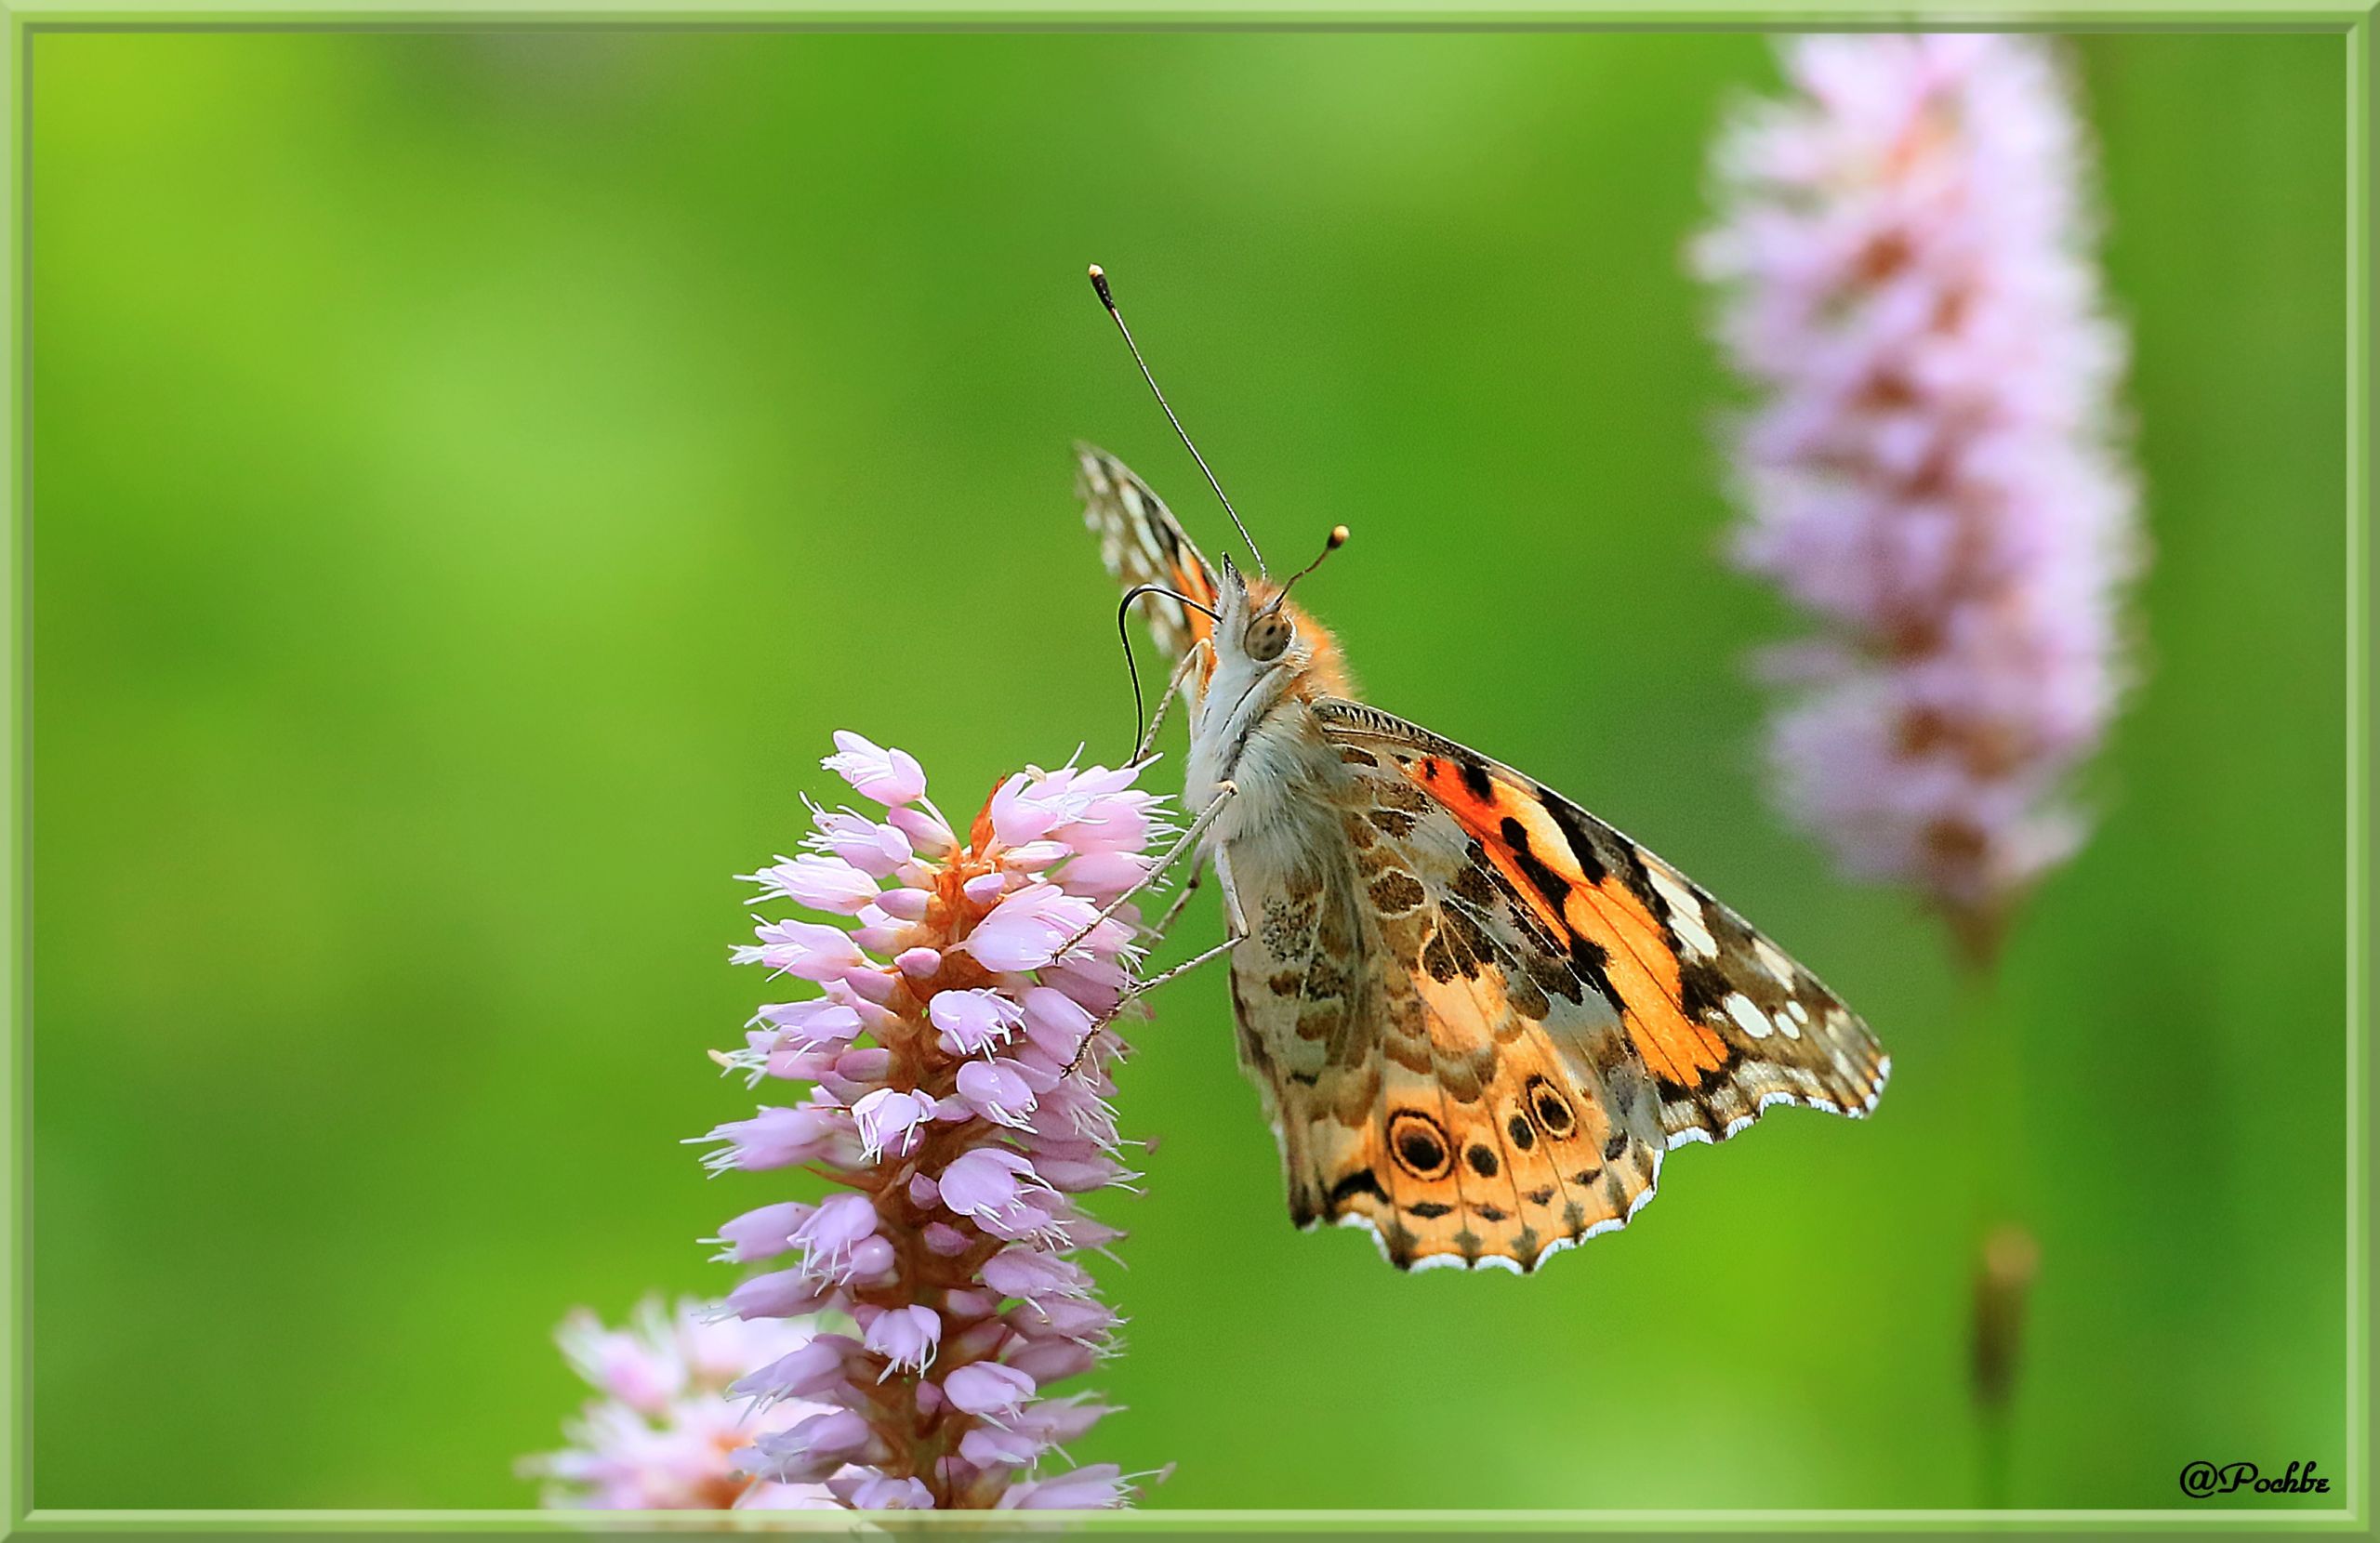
1236	929
1172	689
1234	919
1187	842
1189	887
1140	988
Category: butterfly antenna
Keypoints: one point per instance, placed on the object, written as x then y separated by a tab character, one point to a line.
1099	283
1124	631
1132	667
1337	538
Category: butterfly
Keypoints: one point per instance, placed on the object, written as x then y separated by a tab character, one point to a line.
1477	1014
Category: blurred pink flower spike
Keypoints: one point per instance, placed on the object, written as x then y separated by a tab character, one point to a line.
1931	470
661	1431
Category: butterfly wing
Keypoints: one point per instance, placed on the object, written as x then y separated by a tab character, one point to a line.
1481	1016
1142	543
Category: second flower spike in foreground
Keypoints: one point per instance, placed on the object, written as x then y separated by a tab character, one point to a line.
947	1015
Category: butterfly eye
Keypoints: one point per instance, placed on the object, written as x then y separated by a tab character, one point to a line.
1267	636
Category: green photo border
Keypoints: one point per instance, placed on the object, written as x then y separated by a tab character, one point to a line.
2351	20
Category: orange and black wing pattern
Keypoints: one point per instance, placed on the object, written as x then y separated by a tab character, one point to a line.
1480	1017
1724	1020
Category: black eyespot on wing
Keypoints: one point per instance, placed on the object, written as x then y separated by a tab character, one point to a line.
1477	782
1524	1135
1483	1162
1553	1111
1419	1145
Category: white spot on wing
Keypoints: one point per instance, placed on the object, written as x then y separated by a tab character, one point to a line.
1686	912
1747	1018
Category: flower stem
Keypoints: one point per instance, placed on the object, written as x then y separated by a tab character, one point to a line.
2004	1250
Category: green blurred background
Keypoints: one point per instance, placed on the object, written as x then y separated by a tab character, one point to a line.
473	474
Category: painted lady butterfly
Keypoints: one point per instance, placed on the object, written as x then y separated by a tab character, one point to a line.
1479	1016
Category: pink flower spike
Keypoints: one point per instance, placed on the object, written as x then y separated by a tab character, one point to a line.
1102	876
1034	856
986	1182
811	1450
994	1090
635	1450
974	1019
877	932
1935	468
988	1388
1017	817
1080	1175
871	1259
1062	1419
1056	1022
904	905
1006	1117
762	1233
885	1493
782	1294
927	833
1054	1359
905	1337
800	1066
813	1370
946	1240
887	776
641	1370
811	950
876	987
1078	1318
1116	823
1030	1274
887	1121
1026	930
839	1223
988	1445
965	1303
807	1026
1098	1488
773	1138
1084	1233
878	851
821	883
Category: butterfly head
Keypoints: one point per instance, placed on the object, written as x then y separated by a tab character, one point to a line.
1266	646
